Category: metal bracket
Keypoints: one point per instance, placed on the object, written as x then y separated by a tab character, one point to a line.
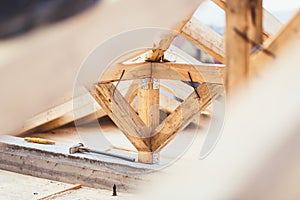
144	83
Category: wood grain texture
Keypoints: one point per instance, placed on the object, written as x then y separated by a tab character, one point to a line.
255	22
184	114
82	109
123	115
148	106
237	46
211	73
205	38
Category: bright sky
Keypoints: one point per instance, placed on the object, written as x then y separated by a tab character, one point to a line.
211	14
281	5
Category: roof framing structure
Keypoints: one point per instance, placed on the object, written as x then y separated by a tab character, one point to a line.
253	40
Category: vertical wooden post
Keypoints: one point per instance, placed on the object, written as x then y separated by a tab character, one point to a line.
255	32
148	109
237	48
255	22
243	32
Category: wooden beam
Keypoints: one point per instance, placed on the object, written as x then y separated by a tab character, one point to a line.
255	27
53	162
148	102
184	114
255	23
271	24
237	46
205	38
84	115
210	73
166	70
123	115
84	106
271	48
148	109
55	113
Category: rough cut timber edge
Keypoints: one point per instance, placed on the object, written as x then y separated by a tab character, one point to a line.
75	169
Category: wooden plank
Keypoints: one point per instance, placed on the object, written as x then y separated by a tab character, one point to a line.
53	195
271	25
84	115
166	70
237	47
272	47
205	38
86	109
53	162
53	114
123	115
184	114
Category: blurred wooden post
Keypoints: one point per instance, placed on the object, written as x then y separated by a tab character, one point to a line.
243	31
255	22
255	27
271	24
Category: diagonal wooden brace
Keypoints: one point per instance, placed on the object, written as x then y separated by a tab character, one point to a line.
123	115
184	114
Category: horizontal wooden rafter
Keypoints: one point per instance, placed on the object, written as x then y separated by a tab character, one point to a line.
212	73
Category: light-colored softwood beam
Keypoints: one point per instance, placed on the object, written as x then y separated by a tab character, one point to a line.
289	33
184	114
85	108
205	38
84	115
55	113
148	109
237	45
271	24
123	115
212	73
148	102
